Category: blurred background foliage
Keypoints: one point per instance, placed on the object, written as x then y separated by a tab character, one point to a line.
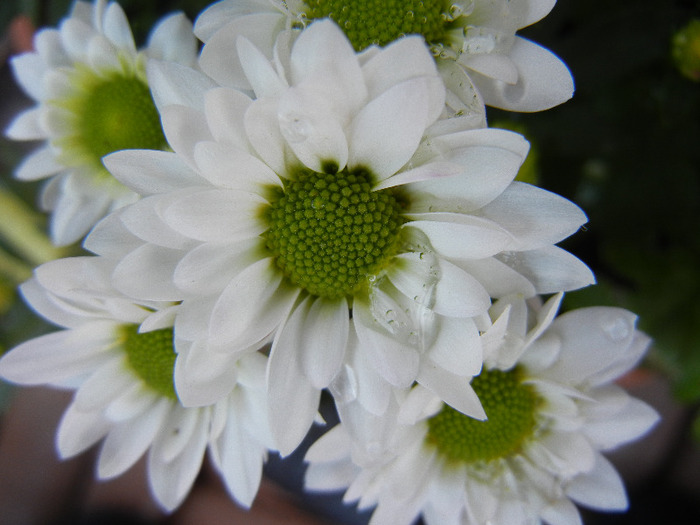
626	148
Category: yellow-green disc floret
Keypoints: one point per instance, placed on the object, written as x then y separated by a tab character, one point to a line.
380	22
329	232
510	407
107	115
151	357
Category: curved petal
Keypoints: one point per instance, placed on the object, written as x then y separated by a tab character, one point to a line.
452	389
544	81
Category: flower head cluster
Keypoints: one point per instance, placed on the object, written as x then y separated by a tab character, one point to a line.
117	355
552	410
318	204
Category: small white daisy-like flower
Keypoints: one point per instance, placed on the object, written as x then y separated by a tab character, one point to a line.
119	358
336	190
551	412
473	36
89	82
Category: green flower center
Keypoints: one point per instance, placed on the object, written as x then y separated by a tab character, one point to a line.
510	406
108	114
330	233
120	114
380	22
151	357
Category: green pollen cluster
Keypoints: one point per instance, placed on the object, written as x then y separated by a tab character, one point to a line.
329	232
510	407
151	357
117	114
380	22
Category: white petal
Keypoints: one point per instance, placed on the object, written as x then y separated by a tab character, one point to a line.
591	339
202	376
241	460
144	220
535	217
610	423
209	267
219	58
225	109
219	14
262	126
311	130
600	489
57	356
171	478
217	215
498	279
324	336
323	53
401	60
127	441
116	28
452	389
27	126
147	273
549	269
76	211
175	84
457	347
184	127
561	512
458	294
461	236
394	361
489	160
293	399
544	81
387	131
105	384
29	69
171	39
79	431
493	65
259	70
38	165
148	172
252	305
536	10
230	168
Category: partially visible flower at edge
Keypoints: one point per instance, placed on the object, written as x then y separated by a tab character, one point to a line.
547	388
118	355
685	50
89	82
478	36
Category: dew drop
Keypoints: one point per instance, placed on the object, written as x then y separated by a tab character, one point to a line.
617	329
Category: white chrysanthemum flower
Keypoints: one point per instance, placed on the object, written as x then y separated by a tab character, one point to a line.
476	36
552	411
89	82
336	190
119	357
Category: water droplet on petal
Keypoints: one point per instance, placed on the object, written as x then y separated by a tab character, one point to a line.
617	329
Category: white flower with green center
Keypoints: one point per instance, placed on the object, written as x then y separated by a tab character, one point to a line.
89	82
473	36
551	413
118	355
334	211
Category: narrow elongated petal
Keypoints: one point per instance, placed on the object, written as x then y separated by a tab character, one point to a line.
293	399
148	172
452	389
600	489
171	39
